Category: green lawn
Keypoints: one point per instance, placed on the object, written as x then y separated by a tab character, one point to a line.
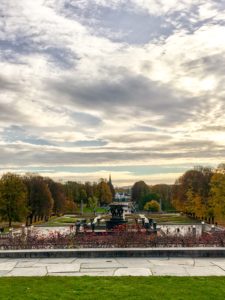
165	218
107	288
173	218
66	220
97	210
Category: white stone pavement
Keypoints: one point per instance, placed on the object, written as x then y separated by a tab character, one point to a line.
112	267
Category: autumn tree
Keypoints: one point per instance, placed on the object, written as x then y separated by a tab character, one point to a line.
13	198
70	207
103	192
217	201
58	195
191	192
111	187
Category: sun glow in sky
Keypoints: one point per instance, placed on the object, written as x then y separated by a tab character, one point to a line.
134	88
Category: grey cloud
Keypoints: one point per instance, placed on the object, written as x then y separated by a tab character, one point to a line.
22	35
144	128
9	114
53	157
127	138
167	144
207	65
85	143
61	56
220	4
13	51
9	85
213	128
195	145
133	93
19	134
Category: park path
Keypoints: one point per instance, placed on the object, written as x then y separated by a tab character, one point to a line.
112	267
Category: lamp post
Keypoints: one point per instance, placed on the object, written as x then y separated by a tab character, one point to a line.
194	230
81	207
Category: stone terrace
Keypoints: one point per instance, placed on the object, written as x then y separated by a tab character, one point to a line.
112	267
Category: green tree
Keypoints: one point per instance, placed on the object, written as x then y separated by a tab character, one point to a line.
40	199
83	197
93	202
72	191
13	198
164	193
152	206
140	190
89	190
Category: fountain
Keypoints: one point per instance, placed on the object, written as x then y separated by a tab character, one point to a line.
117	211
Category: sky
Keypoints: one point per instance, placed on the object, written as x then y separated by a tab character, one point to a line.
134	88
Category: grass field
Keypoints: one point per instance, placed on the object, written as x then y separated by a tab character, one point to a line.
172	218
166	218
88	214
98	210
107	288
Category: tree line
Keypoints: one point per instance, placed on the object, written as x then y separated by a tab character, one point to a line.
32	198
143	194
200	192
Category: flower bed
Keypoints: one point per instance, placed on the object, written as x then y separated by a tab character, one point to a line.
118	238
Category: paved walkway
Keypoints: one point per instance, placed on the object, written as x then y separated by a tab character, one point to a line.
112	267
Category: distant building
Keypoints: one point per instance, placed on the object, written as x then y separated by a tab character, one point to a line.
128	207
122	197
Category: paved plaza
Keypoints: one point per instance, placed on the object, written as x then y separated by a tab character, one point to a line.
112	267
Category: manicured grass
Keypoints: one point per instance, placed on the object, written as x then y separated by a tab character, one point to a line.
66	220
173	218
97	210
131	288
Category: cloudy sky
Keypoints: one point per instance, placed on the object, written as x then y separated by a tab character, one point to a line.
134	88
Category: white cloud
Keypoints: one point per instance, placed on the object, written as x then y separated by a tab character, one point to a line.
72	94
